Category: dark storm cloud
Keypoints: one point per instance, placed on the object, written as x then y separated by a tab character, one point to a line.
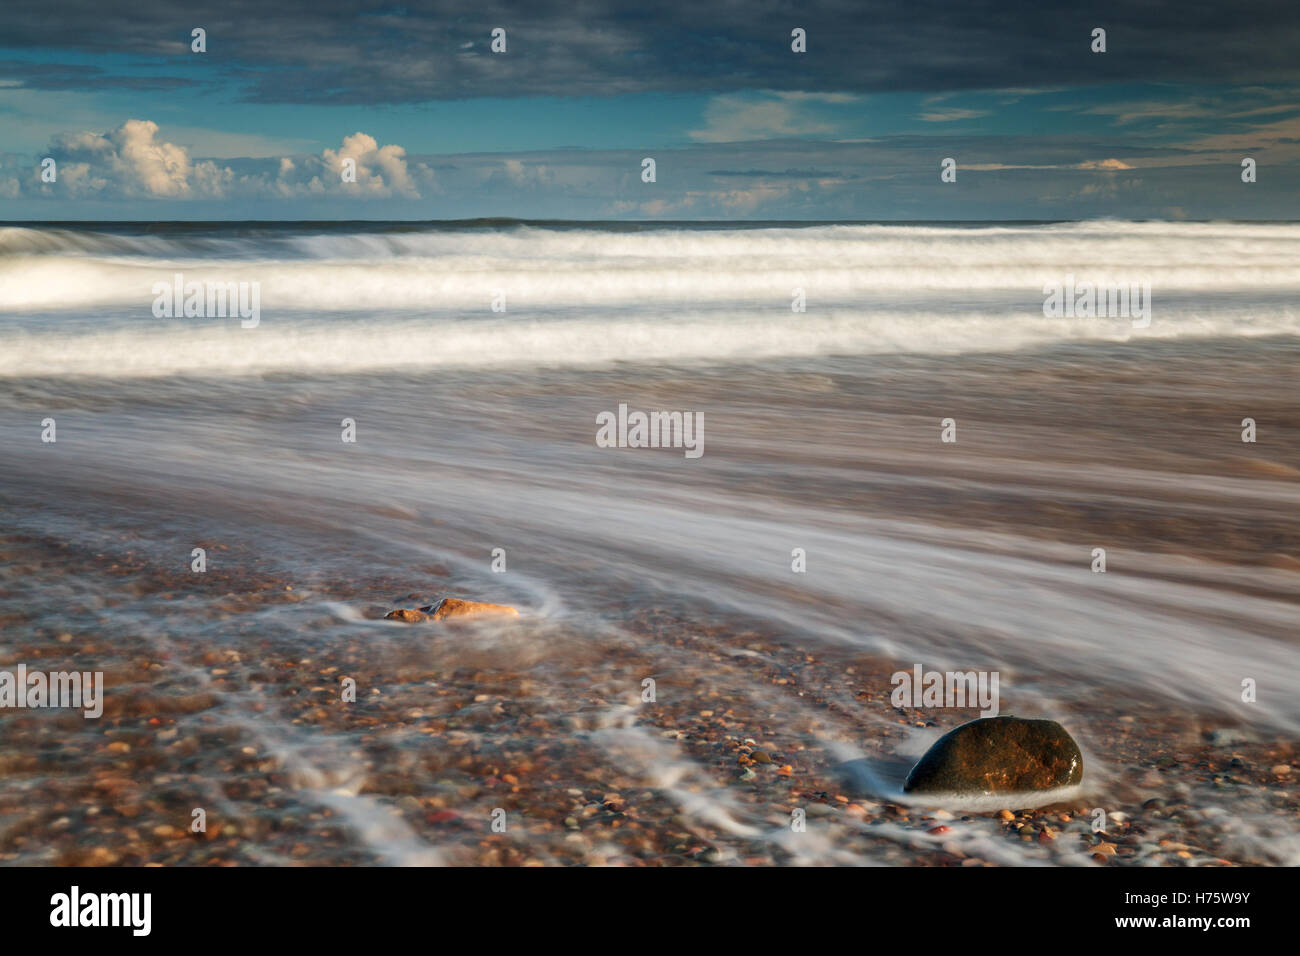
345	51
57	76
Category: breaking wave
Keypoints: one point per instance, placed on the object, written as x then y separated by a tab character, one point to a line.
363	296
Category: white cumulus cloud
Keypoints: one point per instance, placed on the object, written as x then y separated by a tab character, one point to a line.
134	162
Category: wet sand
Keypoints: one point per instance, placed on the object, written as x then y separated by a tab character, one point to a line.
223	688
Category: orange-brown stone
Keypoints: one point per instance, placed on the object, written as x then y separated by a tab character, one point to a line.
406	615
456	608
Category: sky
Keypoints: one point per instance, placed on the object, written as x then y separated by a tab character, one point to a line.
287	97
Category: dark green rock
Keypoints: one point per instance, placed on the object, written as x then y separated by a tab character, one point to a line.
999	755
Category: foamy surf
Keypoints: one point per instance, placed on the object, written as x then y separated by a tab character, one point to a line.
458	296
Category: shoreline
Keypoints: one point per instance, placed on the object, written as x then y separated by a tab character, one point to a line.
258	724
222	688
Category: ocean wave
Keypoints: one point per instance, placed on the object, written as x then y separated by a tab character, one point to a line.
222	347
351	296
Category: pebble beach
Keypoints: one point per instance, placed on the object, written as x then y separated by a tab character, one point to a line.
223	690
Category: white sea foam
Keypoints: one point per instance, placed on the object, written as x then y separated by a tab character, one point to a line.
79	303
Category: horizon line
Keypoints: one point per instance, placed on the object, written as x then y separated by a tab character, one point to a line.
511	220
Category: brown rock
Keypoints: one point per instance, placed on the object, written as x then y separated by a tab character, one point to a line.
454	607
999	755
406	615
